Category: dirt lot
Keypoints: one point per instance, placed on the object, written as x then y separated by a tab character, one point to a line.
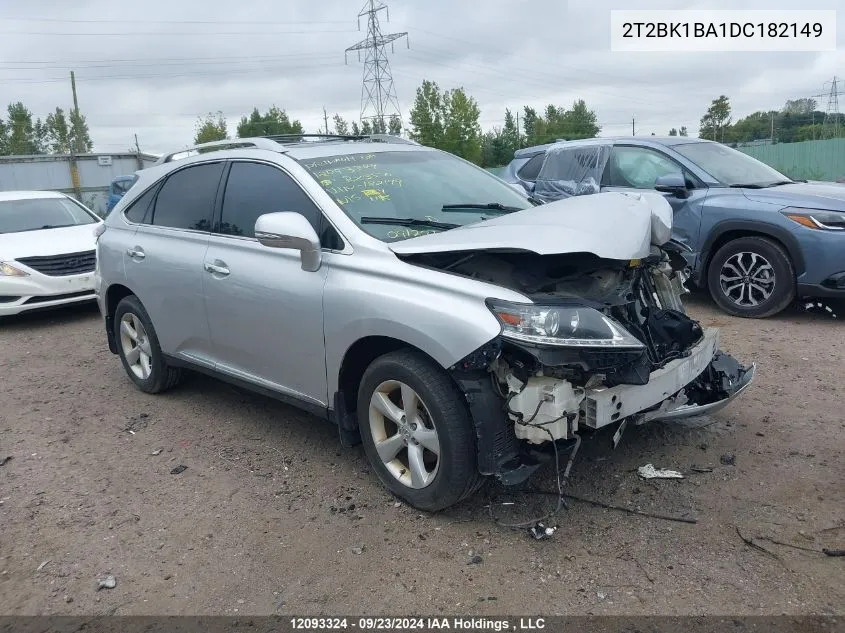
271	517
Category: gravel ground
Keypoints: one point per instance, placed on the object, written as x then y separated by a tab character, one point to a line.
271	517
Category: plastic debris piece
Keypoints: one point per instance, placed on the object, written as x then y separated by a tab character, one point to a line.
43	565
156	452
5	460
541	532
650	472
728	460
358	550
109	582
181	468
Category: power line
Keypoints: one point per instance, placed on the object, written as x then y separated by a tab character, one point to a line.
135	21
162	33
378	93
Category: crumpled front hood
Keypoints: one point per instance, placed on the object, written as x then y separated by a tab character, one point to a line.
69	239
810	195
609	225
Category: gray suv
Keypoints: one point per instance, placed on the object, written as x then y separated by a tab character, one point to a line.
428	309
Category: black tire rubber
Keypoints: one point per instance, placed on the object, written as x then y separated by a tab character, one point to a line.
162	377
785	285
457	476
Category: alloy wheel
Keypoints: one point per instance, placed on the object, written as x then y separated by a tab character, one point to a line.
404	434
135	345
747	279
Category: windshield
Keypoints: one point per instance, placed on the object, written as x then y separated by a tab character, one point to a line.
423	191
729	166
41	213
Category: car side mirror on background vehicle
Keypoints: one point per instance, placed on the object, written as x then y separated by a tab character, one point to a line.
674	184
290	230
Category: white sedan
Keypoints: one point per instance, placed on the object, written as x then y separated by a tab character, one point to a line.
47	255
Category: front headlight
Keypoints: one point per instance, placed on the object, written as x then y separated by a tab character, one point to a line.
560	326
816	218
7	270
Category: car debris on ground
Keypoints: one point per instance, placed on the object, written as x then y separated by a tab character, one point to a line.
181	468
541	532
109	582
650	472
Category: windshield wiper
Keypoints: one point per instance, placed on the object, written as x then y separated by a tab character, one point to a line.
747	185
409	222
780	182
470	206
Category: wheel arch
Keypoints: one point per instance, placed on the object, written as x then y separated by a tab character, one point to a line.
730	230
356	359
114	294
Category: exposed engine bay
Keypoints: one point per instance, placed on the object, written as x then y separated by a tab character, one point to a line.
666	366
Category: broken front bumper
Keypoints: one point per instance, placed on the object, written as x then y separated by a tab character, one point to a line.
662	398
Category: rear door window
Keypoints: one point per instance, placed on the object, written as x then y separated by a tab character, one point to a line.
186	199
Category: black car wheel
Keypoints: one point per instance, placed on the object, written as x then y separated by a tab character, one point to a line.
751	277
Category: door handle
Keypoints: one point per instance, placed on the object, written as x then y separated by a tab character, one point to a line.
137	252
217	268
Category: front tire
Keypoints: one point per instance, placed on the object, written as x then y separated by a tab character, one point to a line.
751	277
417	432
139	350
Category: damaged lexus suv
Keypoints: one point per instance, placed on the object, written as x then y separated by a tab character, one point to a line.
433	313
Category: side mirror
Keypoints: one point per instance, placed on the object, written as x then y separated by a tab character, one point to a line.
290	230
674	184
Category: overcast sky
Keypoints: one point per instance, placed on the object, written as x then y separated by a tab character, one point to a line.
151	68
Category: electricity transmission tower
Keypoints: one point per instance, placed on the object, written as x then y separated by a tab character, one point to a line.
831	128
378	94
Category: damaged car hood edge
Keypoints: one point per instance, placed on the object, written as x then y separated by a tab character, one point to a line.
611	225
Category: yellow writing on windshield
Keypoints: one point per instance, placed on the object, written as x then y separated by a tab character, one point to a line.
406	233
350	158
376	195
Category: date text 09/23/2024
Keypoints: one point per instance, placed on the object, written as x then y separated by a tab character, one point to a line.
417	624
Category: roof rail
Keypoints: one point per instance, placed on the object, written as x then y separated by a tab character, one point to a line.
258	143
376	138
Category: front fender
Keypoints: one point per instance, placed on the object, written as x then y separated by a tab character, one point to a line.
441	314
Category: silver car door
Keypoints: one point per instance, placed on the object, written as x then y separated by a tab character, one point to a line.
165	257
265	313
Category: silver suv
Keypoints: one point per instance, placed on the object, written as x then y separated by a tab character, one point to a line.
423	305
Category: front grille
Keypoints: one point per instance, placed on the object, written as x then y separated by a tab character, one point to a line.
69	295
62	265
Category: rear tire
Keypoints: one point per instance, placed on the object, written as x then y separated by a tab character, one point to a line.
417	432
751	277
139	350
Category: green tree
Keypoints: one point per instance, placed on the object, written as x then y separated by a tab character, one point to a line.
341	127
80	137
427	114
510	139
21	132
366	127
274	121
211	127
530	125
673	132
4	138
462	132
716	119
800	106
579	122
58	133
394	126
447	120
378	125
559	123
40	133
356	129
683	131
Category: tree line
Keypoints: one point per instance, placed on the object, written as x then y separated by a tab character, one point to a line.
797	120
445	119
214	127
58	133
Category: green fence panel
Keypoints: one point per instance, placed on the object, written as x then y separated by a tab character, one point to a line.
810	160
